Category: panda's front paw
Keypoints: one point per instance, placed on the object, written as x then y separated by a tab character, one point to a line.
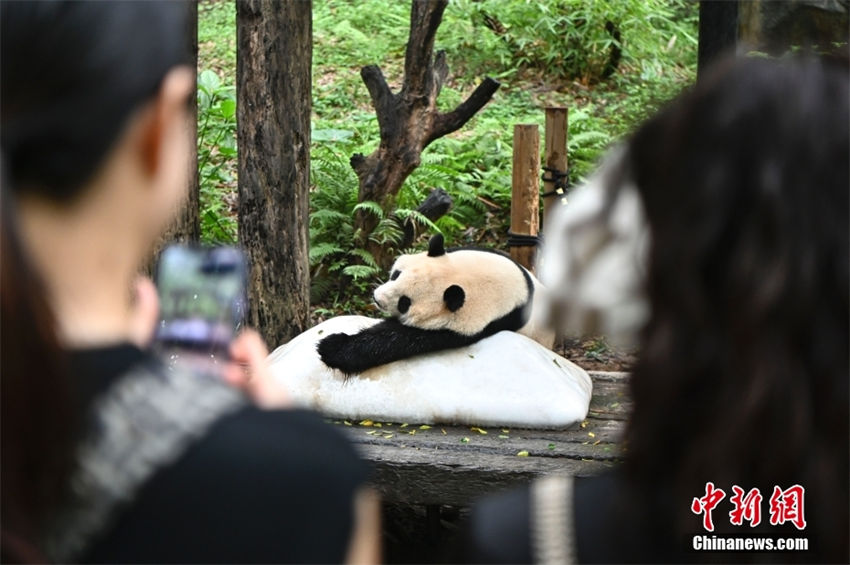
335	352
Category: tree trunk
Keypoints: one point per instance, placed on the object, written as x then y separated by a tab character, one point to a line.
409	120
718	32
273	89
187	225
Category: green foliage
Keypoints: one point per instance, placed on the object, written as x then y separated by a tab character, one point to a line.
216	153
217	36
574	39
340	271
546	53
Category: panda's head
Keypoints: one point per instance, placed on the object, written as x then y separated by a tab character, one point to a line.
423	288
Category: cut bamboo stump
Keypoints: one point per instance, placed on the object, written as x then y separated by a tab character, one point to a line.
525	193
555	158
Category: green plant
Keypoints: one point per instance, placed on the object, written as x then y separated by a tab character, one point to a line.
573	39
216	153
565	46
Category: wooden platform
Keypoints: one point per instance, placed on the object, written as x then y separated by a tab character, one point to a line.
453	465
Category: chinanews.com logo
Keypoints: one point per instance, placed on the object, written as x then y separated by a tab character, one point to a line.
784	506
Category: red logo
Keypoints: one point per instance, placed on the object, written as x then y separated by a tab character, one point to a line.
746	507
787	506
706	504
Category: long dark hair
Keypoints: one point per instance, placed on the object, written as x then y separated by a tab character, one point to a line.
71	74
743	372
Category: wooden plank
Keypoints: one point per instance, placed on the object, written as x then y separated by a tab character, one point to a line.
455	464
555	153
525	192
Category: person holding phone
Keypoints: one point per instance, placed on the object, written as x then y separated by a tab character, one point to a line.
106	455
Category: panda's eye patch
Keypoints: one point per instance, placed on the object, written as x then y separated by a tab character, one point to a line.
394	275
403	304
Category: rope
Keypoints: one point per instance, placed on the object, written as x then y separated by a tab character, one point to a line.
523	240
559	178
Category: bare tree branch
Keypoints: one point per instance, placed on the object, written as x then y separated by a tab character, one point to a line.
447	123
425	18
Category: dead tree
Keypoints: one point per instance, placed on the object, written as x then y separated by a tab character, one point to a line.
273	89
409	119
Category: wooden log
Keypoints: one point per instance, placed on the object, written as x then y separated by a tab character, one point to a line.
525	192
555	155
454	465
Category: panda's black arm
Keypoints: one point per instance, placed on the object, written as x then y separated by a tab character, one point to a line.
383	343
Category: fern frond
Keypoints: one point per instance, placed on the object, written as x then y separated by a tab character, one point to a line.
372	207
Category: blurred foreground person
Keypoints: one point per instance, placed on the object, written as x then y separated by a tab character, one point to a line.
106	455
718	236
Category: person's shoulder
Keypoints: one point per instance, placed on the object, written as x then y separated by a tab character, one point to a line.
258	486
286	436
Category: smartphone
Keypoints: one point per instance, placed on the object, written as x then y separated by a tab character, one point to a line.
202	298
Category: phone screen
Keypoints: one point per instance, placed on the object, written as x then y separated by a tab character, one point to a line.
202	304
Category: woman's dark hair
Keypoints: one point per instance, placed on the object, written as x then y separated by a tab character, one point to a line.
71	74
743	371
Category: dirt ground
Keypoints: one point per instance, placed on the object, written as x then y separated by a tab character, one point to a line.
595	354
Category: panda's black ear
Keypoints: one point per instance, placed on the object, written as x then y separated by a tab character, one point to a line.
435	246
454	297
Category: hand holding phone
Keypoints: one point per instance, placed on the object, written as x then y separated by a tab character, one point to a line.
202	304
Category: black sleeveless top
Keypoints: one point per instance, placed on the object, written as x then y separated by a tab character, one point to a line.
247	485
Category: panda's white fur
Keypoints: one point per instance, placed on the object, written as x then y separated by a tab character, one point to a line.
493	285
441	300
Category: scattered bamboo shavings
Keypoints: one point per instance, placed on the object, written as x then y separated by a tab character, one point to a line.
584	424
388	436
366	423
504	437
377	425
371	432
597	442
464	440
403	425
479	430
424	427
346	422
522	453
412	432
505	431
591	434
442	430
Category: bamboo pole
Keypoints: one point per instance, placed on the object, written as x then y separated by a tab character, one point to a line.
555	154
525	191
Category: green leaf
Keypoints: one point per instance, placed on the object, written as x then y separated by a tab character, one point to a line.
322	250
209	81
372	207
359	271
228	108
365	256
331	134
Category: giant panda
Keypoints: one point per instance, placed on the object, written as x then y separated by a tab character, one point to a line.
442	300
